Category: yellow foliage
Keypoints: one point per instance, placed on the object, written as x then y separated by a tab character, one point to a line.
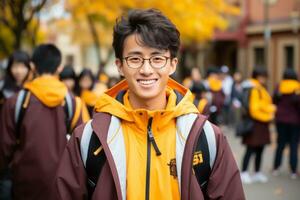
196	19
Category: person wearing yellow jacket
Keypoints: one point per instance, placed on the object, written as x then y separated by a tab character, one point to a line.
33	139
287	118
262	111
145	128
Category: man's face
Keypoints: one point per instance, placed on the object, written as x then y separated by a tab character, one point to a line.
145	82
262	80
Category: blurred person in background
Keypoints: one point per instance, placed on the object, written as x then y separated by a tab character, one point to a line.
213	84
89	89
262	111
68	77
34	137
202	97
287	118
227	82
236	95
17	73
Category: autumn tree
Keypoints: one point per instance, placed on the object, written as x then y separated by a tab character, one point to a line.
196	20
18	22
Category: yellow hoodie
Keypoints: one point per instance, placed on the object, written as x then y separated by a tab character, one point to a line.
134	124
289	87
214	84
51	92
260	104
48	89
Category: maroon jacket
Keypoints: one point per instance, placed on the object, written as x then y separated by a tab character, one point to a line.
224	181
288	108
42	140
259	136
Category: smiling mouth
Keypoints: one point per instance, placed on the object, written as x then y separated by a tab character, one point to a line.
147	82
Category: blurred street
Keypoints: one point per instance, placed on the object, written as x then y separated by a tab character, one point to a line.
281	187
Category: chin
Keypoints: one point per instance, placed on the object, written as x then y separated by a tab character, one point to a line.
146	95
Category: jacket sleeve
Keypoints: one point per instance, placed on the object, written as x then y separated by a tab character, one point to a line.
8	139
224	182
70	182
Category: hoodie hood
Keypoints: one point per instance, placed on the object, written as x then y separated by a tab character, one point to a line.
214	84
250	83
289	87
48	89
180	102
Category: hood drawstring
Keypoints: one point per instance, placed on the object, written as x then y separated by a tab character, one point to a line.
151	138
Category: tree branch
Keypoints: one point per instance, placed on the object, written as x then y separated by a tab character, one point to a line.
13	7
35	10
6	23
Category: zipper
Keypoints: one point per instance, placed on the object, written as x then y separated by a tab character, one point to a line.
150	140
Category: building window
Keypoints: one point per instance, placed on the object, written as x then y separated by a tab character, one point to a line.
289	56
259	57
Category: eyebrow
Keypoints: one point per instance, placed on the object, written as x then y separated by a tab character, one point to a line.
140	53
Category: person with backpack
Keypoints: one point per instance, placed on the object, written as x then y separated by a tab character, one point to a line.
17	73
287	118
202	97
261	111
147	140
213	84
35	125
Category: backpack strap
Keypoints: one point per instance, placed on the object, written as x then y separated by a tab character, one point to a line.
205	155
93	157
68	107
21	105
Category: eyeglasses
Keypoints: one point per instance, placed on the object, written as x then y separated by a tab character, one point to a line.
156	62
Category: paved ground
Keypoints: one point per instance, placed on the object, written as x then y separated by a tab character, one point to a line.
277	188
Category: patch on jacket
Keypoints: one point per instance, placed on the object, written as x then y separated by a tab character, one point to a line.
198	158
173	168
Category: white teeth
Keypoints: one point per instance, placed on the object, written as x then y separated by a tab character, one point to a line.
147	82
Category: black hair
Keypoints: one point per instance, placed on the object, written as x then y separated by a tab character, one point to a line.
46	58
155	31
259	71
212	70
289	73
84	72
67	72
16	57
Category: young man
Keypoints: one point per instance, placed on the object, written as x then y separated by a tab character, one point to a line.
142	141
34	127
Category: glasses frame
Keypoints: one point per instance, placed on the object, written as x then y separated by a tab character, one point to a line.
143	62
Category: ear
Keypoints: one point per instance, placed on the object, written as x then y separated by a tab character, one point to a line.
59	69
118	62
173	66
33	68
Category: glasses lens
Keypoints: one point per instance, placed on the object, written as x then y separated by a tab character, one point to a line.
158	61
134	61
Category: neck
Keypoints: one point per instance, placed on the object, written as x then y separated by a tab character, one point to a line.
158	103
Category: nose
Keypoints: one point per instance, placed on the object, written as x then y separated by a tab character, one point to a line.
146	68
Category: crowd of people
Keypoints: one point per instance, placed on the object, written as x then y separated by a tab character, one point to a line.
43	102
232	101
